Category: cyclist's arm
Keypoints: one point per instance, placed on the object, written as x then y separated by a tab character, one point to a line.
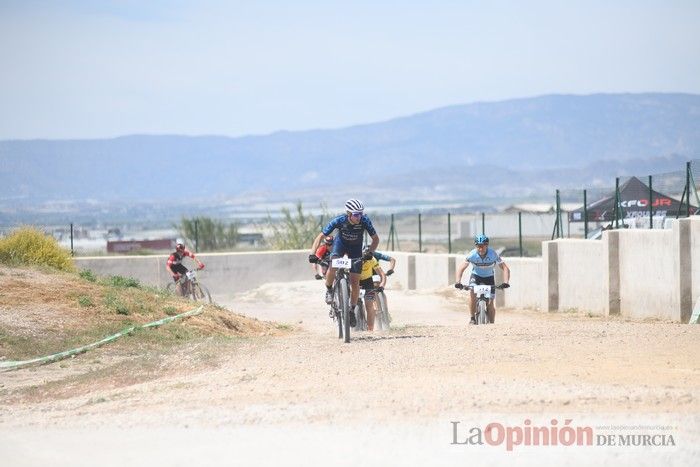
375	242
460	271
506	272
191	255
392	263
317	242
168	264
382	281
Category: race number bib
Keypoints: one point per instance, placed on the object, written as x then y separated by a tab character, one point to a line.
344	263
484	290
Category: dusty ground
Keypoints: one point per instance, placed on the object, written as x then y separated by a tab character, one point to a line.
305	398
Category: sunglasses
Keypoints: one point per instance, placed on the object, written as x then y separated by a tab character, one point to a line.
356	214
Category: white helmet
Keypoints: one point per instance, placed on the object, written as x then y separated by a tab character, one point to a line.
354	205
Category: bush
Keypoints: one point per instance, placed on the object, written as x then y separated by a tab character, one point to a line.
122	282
29	246
88	275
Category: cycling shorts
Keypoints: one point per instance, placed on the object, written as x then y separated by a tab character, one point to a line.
488	280
353	252
179	269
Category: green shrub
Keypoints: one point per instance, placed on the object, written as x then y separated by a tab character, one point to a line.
123	282
85	301
29	246
88	275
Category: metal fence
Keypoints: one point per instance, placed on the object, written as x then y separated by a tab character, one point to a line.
641	201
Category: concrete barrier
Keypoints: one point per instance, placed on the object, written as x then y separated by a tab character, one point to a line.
574	276
224	273
647	275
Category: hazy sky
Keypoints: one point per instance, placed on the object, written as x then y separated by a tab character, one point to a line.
91	69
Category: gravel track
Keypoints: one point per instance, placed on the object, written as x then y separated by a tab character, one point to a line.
402	387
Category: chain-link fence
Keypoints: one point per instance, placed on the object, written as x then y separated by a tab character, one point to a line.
636	202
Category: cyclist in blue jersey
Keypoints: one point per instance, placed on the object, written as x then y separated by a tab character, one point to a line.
348	241
483	260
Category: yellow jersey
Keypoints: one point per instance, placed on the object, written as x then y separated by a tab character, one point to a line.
368	268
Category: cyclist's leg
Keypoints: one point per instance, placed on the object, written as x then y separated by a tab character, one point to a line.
491	304
473	280
355	252
337	251
181	270
354	288
368	286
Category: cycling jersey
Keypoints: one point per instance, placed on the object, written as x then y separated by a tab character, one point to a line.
176	257
483	267
350	234
368	268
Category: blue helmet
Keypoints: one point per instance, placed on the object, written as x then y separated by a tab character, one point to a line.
481	239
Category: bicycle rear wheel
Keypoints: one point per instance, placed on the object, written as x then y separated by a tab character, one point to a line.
482	316
344	307
383	316
361	317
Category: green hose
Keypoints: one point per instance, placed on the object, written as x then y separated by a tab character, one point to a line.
14	365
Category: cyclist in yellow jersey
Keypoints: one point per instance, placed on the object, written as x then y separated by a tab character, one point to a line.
369	268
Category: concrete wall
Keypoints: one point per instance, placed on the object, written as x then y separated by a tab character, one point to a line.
432	270
580	280
525	284
636	273
647	274
224	272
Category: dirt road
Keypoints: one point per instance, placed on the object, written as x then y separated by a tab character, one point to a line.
306	398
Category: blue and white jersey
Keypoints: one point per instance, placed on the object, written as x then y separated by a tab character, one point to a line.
483	267
349	233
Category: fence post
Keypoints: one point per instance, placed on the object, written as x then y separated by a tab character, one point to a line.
393	232
617	202
483	223
651	205
449	234
687	188
196	235
72	253
420	235
520	232
585	215
560	228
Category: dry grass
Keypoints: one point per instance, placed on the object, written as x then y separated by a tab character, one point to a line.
43	312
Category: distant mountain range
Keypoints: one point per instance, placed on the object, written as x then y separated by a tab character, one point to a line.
515	148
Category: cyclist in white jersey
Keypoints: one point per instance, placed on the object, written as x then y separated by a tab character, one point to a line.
483	260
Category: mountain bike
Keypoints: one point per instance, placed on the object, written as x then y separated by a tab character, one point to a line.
483	293
381	316
340	308
381	311
190	287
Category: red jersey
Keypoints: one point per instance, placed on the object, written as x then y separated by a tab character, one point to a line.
176	257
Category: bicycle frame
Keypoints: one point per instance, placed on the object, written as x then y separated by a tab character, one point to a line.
484	294
341	295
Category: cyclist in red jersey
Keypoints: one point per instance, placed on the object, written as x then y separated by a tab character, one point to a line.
174	265
323	253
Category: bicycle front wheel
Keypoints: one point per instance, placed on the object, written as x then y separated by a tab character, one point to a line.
200	293
343	291
482	316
